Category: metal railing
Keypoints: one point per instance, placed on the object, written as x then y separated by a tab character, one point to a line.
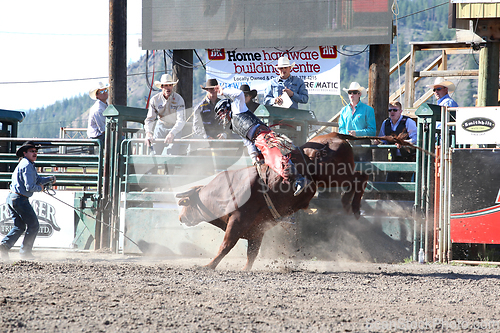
73	168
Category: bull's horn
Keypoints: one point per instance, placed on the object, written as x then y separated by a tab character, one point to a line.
188	192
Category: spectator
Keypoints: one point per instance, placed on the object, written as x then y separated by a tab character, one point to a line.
286	83
250	97
166	111
394	125
205	123
358	119
441	87
25	181
97	121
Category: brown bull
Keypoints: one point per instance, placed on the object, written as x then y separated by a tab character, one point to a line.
234	200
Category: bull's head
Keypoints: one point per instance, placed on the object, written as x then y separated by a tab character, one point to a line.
189	201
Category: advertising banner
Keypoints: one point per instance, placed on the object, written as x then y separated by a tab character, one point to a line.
475	196
319	67
478	125
57	220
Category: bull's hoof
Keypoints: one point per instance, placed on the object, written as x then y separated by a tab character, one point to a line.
357	214
207	267
347	208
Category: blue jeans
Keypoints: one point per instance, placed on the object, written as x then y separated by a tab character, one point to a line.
160	133
23	216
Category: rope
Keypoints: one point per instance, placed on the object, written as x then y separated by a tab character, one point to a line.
50	191
269	203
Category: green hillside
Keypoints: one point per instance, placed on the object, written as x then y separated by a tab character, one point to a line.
414	23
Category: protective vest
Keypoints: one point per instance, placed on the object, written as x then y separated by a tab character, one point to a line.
241	123
211	125
399	129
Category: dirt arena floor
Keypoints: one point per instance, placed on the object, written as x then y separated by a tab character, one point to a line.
102	292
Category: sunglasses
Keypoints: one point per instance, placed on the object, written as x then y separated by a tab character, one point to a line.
437	89
103	91
354	92
393	110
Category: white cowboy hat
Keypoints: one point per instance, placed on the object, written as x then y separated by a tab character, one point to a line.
440	81
93	92
356	86
284	62
165	79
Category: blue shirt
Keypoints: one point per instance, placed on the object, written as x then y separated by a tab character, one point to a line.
97	121
25	179
295	84
446	100
362	121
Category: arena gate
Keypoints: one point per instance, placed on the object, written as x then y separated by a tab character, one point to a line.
468	191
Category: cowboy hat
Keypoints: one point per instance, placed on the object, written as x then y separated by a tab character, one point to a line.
27	145
246	89
355	86
440	81
284	62
93	92
211	83
165	79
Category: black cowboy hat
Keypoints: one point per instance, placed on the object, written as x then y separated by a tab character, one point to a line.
246	89
211	83
27	145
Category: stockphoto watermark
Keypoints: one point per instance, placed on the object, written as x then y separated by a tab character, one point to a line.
406	324
327	176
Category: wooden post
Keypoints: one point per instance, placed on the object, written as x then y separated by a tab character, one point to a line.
117	96
378	87
488	75
183	71
118	52
409	81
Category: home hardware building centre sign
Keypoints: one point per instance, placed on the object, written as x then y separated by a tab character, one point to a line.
319	67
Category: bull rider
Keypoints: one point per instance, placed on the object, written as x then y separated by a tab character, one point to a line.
257	137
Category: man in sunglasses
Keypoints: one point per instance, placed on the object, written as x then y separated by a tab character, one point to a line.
97	121
441	87
394	125
358	119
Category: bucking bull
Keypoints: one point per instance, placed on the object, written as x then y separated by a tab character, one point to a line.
236	201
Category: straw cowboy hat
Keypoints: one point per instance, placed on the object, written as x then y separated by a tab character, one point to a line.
355	86
284	62
27	145
165	79
440	81
93	92
211	83
246	89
